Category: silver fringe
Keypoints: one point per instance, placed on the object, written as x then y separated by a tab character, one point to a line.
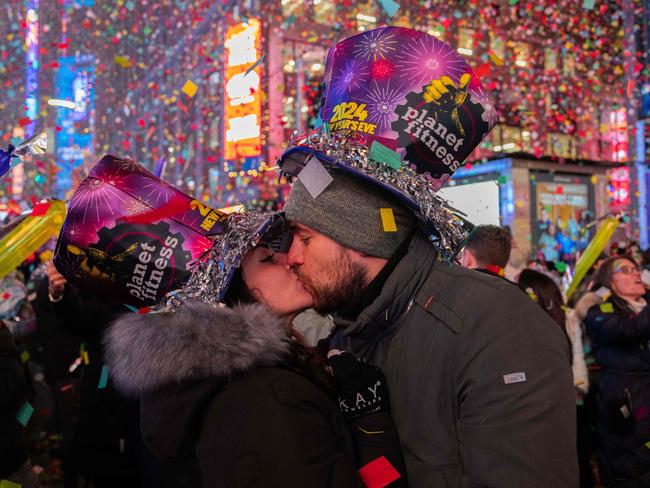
443	225
213	271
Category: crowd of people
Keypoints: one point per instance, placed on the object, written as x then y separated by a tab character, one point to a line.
606	328
205	396
412	368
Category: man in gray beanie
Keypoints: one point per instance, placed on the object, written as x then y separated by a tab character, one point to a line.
348	212
479	376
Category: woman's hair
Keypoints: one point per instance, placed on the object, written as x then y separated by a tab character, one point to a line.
546	292
603	278
303	359
238	292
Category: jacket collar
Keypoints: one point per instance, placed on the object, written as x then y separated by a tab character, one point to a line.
399	290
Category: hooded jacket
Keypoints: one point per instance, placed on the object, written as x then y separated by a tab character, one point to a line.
621	343
215	386
105	442
479	376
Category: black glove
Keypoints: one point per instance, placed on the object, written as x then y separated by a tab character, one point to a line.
361	388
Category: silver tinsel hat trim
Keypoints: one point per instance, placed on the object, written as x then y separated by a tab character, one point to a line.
212	273
443	225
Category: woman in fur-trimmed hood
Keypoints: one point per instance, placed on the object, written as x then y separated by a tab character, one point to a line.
233	389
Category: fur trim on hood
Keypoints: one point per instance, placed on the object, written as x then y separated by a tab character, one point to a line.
586	301
148	351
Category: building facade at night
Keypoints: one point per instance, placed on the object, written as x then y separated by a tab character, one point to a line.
215	90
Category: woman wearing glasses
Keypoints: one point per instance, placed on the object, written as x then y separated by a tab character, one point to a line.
619	329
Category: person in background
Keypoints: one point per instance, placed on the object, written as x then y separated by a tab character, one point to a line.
105	443
488	249
548	245
618	324
15	465
646	258
57	351
543	290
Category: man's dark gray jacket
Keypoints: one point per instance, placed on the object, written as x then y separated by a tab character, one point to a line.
480	377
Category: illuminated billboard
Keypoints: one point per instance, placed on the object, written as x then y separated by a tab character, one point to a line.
561	207
31	62
74	136
242	87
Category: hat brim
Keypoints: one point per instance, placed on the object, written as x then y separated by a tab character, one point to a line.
259	231
294	160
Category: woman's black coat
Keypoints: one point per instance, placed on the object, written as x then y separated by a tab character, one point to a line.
620	341
216	386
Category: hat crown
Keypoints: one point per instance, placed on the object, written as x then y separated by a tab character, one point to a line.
409	91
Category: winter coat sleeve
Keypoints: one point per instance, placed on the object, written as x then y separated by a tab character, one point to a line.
275	436
516	399
12	379
617	329
84	315
574	331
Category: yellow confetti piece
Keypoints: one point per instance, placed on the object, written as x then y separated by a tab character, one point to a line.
85	358
496	59
46	255
594	179
123	61
388	219
189	88
607	307
647	444
24	356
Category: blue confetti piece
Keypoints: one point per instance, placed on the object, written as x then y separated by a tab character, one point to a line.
389	6
133	309
25	413
103	377
5	159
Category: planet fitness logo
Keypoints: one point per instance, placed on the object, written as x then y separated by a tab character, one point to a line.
143	261
438	131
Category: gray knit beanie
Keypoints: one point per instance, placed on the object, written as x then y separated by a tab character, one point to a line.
348	211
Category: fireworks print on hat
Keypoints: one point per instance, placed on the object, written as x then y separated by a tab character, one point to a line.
413	93
381	101
426	58
351	77
375	45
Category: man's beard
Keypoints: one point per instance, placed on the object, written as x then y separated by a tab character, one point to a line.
345	285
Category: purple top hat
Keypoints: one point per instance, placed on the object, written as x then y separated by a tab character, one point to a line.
403	110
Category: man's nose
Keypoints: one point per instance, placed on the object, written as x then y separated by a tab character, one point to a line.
294	257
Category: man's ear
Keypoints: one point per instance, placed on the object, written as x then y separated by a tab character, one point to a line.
469	260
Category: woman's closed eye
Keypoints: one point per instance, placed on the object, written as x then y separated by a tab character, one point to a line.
268	259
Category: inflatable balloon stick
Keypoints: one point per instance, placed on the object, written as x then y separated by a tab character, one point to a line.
592	252
44	222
